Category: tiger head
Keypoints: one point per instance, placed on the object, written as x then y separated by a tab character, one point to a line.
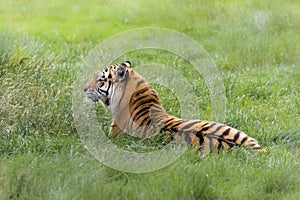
102	86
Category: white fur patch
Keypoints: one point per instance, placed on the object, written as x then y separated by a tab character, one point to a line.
127	63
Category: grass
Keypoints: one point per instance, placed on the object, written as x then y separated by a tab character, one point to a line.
255	46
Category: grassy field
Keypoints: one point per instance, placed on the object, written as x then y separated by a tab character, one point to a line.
255	45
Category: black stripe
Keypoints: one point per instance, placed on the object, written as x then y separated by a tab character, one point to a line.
189	125
199	135
217	130
226	132
142	91
257	148
207	127
205	124
228	141
139	99
99	90
231	144
220	146
202	144
140	83
106	91
244	140
157	106
176	124
212	124
201	139
154	94
236	136
172	118
155	109
140	113
170	122
148	123
137	117
107	102
144	120
146	102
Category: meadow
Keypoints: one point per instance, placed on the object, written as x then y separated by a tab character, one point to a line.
255	45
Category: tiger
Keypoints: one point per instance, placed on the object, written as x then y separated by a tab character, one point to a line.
136	108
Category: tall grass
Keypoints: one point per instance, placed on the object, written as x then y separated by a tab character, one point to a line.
35	95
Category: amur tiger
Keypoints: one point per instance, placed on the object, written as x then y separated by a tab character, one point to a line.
135	108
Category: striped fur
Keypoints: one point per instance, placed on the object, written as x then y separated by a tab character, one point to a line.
136	108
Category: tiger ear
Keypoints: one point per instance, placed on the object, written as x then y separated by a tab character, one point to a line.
121	73
127	63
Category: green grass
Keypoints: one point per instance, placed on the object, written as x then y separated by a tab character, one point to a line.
255	45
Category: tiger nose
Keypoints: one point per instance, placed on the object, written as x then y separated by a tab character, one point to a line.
85	89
